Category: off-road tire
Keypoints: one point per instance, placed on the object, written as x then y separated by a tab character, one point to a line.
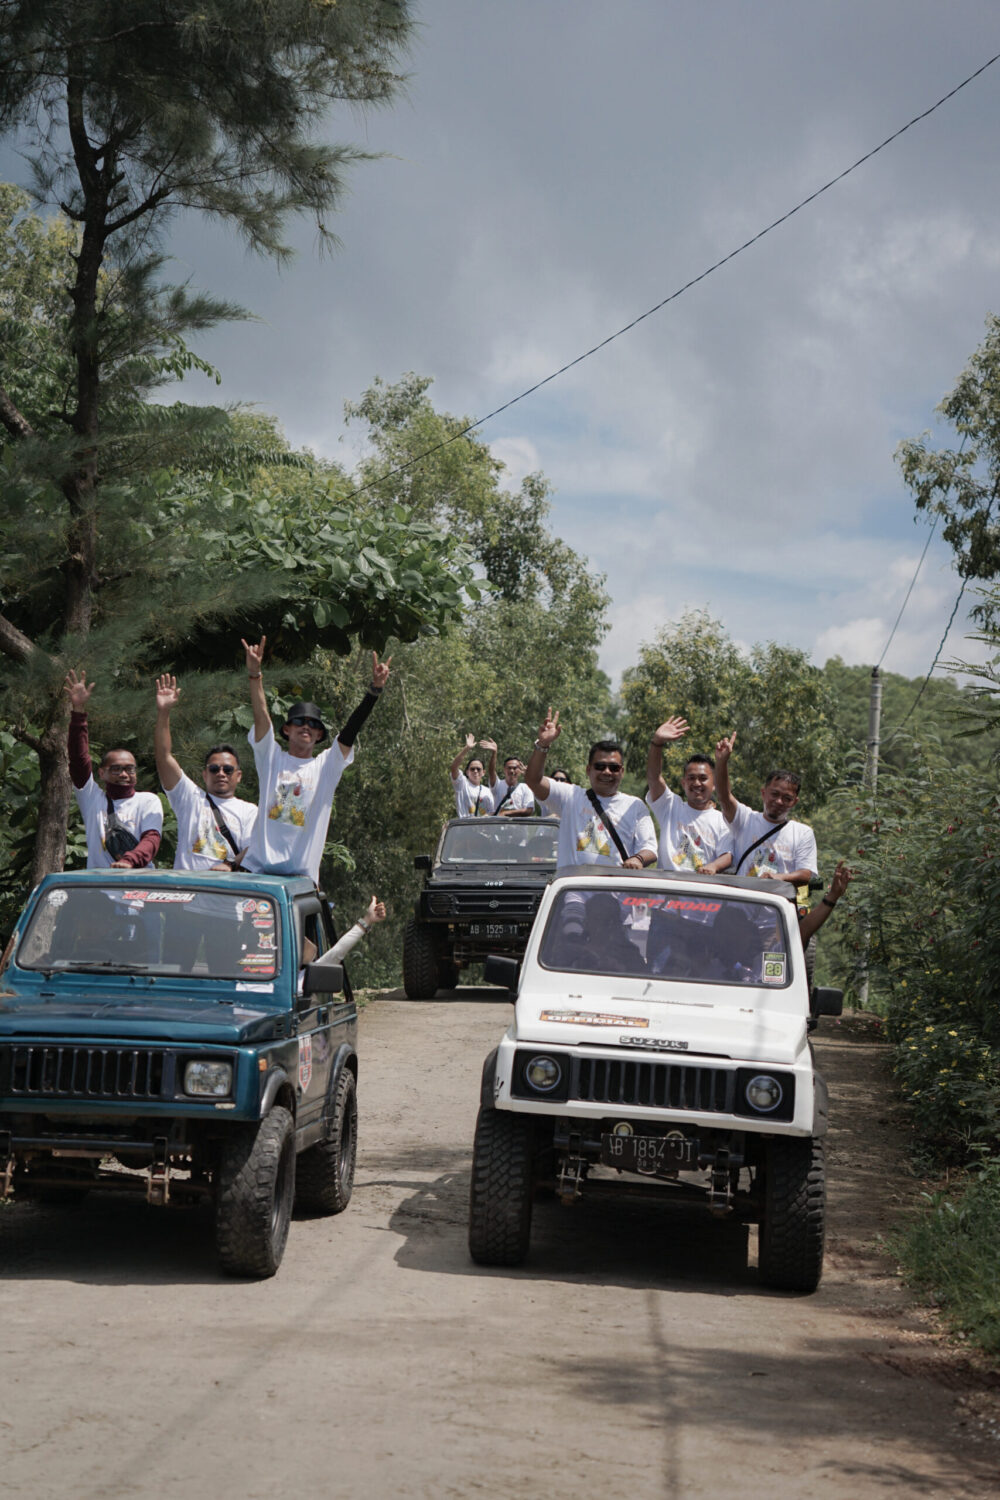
793	1214
255	1186
502	1183
421	967
324	1174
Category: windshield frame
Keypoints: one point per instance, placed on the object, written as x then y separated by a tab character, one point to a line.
783	964
141	951
527	829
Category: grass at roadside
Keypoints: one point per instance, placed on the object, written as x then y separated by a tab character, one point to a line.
952	1252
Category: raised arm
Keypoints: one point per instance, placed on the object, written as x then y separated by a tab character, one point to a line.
491	768
255	672
456	765
535	773
167	768
78	692
823	910
349	733
723	791
670	730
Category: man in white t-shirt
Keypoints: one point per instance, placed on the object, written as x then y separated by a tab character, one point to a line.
586	822
296	787
474	788
114	813
768	843
693	833
213	824
511	797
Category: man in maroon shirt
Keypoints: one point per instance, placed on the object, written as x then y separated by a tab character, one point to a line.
114	813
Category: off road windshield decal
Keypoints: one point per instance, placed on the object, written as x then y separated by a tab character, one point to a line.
141	896
774	968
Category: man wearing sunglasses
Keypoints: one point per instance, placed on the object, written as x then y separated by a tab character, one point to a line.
593	821
123	826
297	787
213	825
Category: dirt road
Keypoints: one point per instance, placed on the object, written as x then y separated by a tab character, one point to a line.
633	1355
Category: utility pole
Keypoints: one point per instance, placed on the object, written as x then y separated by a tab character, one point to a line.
871	782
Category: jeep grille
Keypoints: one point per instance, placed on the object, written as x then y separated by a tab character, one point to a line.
490	906
659	1085
58	1072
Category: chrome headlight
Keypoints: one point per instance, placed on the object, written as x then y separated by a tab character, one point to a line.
543	1073
211	1079
764	1093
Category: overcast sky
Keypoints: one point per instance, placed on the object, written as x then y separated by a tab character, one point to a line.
559	166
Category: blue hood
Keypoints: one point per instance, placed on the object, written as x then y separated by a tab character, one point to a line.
151	1016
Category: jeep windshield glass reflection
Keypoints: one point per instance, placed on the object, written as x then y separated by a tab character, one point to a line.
645	933
168	930
499	843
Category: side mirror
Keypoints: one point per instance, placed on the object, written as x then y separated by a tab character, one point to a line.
323	979
503	971
825	1002
422	862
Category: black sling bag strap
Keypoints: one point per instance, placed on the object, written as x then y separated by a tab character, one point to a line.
118	839
606	822
223	827
503	799
751	847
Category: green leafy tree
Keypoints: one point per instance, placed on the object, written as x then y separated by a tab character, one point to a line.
131	112
782	709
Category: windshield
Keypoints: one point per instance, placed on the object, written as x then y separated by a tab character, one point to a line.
649	934
500	843
170	930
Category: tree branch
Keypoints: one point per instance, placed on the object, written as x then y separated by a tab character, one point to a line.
14	642
17	425
31	740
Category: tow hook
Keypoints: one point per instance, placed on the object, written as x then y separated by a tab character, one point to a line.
6	1165
158	1185
720	1193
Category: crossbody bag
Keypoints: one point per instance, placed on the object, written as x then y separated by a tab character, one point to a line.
606	823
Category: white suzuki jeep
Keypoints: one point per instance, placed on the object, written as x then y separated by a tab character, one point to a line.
660	1036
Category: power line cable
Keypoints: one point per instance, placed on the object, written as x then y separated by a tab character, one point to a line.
909	591
783	219
937	657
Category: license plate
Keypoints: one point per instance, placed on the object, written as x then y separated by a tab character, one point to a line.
649	1154
493	929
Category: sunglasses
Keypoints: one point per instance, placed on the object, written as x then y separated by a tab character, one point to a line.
301	723
607	765
120	770
220	770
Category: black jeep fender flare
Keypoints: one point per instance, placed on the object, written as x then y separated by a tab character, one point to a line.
344	1057
278	1082
487	1090
821	1106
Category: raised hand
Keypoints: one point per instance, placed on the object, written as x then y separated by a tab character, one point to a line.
380	675
487	745
78	690
376	911
255	656
167	692
842	878
550	731
674	728
470	742
724	749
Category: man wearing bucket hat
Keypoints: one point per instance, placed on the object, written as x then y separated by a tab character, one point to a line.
296	786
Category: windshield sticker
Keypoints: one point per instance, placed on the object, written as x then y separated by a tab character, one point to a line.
259	963
247	906
591	1018
259	988
774	968
671	905
263	922
157	896
58	898
305	1061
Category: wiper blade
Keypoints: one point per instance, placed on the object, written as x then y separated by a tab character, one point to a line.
104	966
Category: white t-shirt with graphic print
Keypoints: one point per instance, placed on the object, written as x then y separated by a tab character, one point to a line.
521	796
200	845
140	813
793	846
583	837
296	799
472	801
688	839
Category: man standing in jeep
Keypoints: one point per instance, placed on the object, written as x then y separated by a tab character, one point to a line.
123	826
213	824
598	824
768	843
511	798
693	833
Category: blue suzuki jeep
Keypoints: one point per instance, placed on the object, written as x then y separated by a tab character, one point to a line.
180	1035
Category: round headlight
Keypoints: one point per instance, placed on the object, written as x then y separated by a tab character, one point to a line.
214	1079
763	1093
543	1073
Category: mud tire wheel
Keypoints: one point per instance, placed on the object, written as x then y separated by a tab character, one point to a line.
421	967
793	1215
502	1188
324	1174
255	1188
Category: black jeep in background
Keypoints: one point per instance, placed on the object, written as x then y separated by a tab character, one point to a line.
480	895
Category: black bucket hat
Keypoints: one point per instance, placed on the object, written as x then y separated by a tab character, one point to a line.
304	711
